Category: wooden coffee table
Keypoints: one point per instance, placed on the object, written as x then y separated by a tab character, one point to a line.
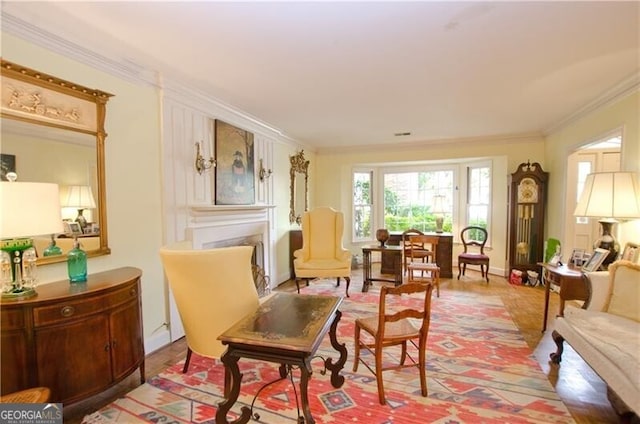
286	329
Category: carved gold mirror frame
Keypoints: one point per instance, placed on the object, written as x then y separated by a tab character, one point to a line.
53	104
299	169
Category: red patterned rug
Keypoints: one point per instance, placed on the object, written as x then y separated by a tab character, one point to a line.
479	370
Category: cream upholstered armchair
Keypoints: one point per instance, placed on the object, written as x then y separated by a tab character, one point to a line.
322	253
213	288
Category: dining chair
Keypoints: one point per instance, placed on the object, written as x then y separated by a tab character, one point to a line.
418	251
473	239
418	267
396	325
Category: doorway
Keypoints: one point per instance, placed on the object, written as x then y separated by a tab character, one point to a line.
600	155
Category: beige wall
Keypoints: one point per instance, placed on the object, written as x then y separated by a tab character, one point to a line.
332	180
625	114
132	173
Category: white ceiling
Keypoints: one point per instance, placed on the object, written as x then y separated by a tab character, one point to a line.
355	73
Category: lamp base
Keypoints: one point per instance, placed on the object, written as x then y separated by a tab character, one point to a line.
19	293
608	242
439	222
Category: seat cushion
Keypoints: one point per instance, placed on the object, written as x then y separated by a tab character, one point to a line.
473	257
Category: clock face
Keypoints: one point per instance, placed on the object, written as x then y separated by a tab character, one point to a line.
527	191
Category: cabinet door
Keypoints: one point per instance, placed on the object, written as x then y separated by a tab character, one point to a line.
73	359
126	339
15	370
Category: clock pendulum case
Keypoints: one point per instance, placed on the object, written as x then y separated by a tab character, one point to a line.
527	201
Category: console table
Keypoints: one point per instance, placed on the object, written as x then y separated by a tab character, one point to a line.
394	252
75	339
572	283
286	329
444	253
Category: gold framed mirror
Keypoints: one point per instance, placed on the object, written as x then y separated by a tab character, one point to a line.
53	131
299	187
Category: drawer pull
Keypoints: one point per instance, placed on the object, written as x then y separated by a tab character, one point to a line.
107	347
133	291
67	311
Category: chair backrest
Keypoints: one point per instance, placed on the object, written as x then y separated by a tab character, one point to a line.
624	290
322	231
422	243
422	311
406	243
213	288
474	237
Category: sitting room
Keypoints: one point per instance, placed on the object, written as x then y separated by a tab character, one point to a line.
325	141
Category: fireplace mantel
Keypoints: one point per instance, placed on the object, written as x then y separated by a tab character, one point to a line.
224	208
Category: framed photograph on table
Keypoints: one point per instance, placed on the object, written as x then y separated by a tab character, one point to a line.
631	252
595	260
577	257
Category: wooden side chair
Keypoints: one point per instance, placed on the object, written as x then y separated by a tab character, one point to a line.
396	326
419	251
473	239
418	268
32	395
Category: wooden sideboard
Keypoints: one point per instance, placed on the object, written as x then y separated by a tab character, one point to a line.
75	339
444	253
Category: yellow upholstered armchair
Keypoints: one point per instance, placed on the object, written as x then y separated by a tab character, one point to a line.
213	288
322	253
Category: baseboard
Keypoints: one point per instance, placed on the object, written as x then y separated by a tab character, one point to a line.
156	341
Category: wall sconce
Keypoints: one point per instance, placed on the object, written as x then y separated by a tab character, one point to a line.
263	173
201	163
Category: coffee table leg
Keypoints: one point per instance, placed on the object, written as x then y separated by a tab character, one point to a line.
304	395
231	364
337	380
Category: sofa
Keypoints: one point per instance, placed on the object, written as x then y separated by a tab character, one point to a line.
605	332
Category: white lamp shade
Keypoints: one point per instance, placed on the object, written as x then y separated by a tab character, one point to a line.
29	209
610	195
438	204
79	197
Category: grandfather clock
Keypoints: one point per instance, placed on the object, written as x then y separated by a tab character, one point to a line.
527	201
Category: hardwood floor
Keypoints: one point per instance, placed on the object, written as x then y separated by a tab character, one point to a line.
582	391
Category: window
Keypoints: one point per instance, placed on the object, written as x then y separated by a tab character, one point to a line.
362	205
413	196
584	169
410	197
478	195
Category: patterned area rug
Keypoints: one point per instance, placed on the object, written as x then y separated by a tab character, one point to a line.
479	370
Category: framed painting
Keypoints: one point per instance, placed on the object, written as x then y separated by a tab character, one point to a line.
235	183
7	164
631	252
595	260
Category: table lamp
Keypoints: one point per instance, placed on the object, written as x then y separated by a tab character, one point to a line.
438	211
610	196
80	198
28	209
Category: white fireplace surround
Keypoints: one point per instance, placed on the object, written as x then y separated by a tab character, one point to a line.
221	226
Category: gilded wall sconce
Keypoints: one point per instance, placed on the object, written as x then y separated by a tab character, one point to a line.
201	163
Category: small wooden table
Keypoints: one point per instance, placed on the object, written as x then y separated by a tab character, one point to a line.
572	286
286	329
395	251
